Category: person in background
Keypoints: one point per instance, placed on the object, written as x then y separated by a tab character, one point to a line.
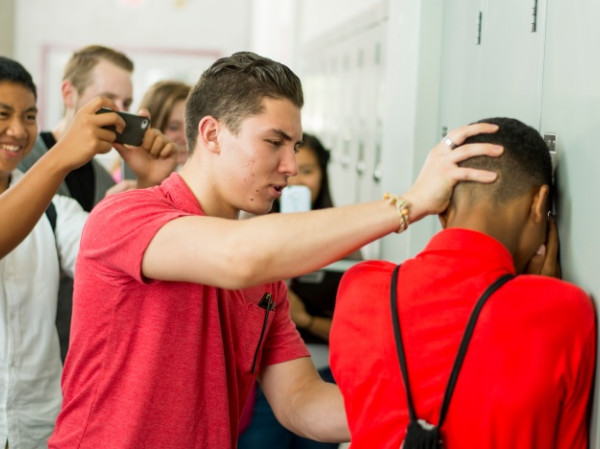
35	246
179	305
165	103
263	430
90	72
527	375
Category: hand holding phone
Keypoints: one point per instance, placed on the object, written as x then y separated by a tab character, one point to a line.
135	127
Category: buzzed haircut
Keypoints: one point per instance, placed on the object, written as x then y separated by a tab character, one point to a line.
524	164
14	72
82	62
233	89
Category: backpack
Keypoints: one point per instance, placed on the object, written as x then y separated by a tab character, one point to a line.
51	215
419	433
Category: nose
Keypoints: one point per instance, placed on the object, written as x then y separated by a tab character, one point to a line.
122	105
17	128
288	163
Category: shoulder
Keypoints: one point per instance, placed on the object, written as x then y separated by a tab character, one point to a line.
369	271
555	291
134	214
553	300
370	278
137	199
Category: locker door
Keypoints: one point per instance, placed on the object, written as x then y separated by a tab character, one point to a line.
461	62
512	60
571	111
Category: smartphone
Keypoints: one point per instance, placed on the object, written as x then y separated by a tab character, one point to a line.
135	127
295	199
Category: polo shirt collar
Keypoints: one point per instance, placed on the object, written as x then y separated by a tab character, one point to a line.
180	194
472	244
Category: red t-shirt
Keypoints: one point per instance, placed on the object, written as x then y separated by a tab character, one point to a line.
527	376
156	364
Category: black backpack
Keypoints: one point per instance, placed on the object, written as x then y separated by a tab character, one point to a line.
419	433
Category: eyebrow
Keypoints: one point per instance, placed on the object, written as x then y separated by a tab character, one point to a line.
286	137
10	108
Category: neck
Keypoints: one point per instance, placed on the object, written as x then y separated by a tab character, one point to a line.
499	221
209	197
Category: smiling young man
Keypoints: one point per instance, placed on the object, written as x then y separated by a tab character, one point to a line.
178	305
34	248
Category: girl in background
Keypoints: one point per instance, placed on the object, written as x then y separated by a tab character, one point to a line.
165	100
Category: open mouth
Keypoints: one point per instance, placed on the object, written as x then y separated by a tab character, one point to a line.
10	148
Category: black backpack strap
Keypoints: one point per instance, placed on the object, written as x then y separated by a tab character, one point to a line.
52	216
462	350
464	344
399	346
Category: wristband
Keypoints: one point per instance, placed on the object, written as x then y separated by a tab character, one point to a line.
402	207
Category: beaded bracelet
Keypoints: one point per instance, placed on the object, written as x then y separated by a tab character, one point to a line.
402	206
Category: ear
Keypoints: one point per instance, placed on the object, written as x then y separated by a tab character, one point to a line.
539	204
208	133
69	94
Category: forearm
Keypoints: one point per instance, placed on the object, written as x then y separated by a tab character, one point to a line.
22	205
263	249
318	413
304	403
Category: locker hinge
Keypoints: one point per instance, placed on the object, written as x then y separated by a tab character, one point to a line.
535	17
479	25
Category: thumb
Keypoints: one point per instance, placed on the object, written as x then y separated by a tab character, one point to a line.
144	113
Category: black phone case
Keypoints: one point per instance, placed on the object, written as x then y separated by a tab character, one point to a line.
135	127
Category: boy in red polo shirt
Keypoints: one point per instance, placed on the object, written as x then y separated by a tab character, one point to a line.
178	307
527	375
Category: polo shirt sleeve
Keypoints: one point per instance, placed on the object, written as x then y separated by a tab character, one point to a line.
573	428
120	229
283	341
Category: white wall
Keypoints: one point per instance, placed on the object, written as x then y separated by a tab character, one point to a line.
159	35
7	27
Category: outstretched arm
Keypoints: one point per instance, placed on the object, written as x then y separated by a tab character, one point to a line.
238	253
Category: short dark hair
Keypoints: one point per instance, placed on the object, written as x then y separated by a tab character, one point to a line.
233	88
311	142
11	70
524	164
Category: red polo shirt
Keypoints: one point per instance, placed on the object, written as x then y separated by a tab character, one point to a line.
156	364
528	373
